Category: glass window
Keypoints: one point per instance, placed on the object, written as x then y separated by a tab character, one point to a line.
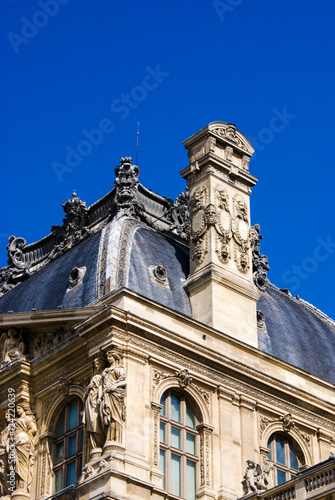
178	445
286	456
68	447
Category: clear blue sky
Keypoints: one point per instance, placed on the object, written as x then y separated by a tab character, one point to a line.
177	66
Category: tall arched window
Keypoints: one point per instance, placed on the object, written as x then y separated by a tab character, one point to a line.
178	445
68	445
286	456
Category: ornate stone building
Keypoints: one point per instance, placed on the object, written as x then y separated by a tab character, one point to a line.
145	354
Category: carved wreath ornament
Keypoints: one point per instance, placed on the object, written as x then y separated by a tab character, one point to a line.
227	226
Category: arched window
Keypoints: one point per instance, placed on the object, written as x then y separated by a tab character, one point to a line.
68	445
286	456
178	445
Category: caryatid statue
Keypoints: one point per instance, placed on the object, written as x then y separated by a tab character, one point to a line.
92	399
25	430
112	407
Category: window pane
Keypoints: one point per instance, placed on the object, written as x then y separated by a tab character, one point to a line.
80	465
163	402
190	418
270	452
81	440
175	407
59	452
72	445
280	450
175	475
281	476
190	480
71	473
162	433
58	480
190	443
162	464
60	424
293	459
73	414
175	437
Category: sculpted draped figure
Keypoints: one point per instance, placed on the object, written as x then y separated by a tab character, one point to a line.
93	395
4	443
12	346
112	407
25	430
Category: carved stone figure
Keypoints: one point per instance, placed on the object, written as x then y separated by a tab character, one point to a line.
25	430
92	415
112	406
12	346
260	265
256	476
4	436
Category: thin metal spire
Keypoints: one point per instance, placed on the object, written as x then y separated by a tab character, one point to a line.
137	135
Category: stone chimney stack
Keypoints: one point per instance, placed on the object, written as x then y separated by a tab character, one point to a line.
220	284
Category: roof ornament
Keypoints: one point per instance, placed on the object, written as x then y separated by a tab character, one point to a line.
26	260
260	264
126	185
73	229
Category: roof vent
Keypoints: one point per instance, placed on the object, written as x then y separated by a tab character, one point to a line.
159	274
76	276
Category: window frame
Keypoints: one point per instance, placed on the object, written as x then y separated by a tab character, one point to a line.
289	446
168	447
76	457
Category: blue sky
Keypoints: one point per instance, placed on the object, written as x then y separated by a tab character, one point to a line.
72	66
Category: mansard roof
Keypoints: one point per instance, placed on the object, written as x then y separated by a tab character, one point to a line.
136	239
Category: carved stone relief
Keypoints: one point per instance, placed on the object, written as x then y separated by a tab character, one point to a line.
228	132
12	346
198	224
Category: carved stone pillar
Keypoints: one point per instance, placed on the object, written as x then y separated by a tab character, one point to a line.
44	466
226	415
156	473
205	489
220	285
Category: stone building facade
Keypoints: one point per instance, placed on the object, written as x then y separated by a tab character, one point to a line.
145	354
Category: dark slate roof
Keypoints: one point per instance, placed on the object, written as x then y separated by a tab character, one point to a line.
47	289
297	334
150	249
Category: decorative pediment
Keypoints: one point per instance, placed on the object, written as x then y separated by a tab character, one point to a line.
229	133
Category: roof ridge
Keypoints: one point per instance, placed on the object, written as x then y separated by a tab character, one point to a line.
307	305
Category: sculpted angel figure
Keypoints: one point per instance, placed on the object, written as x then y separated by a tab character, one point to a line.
112	406
25	430
92	416
256	476
12	346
